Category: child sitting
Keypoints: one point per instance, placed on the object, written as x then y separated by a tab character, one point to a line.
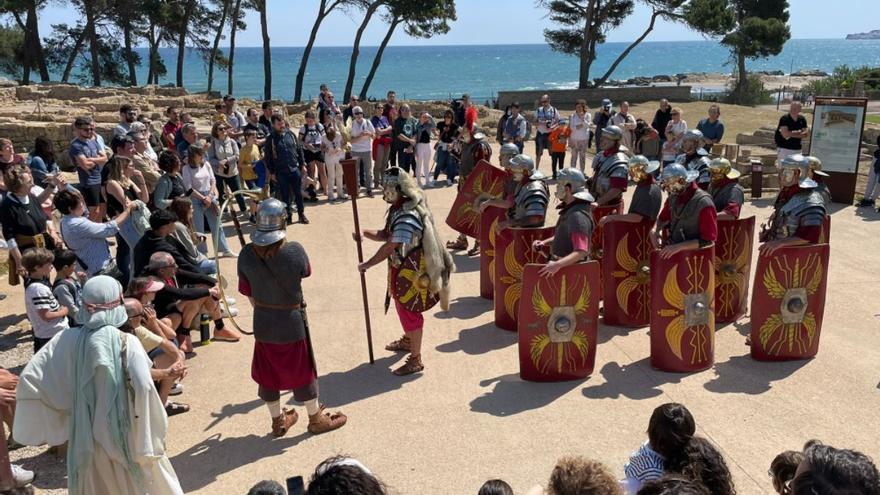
669	431
558	144
67	288
783	469
47	317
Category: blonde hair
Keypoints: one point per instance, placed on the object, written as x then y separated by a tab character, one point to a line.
117	171
677	110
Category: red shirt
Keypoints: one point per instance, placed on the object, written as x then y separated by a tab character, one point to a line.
708	215
168	132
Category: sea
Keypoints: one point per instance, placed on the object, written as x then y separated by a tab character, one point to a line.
441	72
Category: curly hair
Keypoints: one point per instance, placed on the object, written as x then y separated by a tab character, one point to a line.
574	475
783	469
703	463
832	471
337	476
673	484
169	161
670	429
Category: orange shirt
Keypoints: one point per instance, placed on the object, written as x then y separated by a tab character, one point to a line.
559	139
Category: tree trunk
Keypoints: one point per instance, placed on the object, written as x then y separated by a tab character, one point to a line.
213	57
181	39
587	55
267	55
129	55
71	59
630	48
355	49
36	43
236	11
742	76
27	63
92	33
378	58
152	41
304	61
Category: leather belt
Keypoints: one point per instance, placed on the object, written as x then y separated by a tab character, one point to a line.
26	241
291	307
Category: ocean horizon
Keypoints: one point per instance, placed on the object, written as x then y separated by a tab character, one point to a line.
438	72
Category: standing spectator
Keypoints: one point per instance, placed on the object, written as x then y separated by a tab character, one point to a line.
334	153
127	116
223	155
362	134
470	113
448	132
189	137
547	119
390	102
499	129
250	155
712	127
233	117
826	470
331	111
169	130
90	159
674	133
285	162
558	143
424	129
146	166
661	118
515	127
20	477
405	136
311	134
255	124
46	315
381	143
266	115
602	119
88	239
198	177
125	185
791	131
873	178
348	113
67	287
41	161
580	135
392	119
170	184
627	124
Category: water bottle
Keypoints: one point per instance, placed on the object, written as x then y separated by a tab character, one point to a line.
205	329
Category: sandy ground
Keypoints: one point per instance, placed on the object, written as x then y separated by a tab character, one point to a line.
469	417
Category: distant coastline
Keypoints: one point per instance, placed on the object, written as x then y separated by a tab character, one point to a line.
870	35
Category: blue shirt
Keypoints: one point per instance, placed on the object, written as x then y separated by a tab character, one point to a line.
644	465
89	149
39	169
88	240
281	154
714	131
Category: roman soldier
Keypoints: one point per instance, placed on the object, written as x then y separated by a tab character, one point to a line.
724	187
695	156
799	211
530	195
570	243
415	255
609	168
507	152
818	177
283	355
688	219
647	198
473	149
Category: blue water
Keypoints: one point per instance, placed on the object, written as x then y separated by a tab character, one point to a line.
436	72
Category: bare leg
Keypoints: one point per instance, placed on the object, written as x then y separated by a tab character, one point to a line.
161	362
322	176
414	361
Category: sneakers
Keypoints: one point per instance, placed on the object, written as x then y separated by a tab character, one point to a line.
230	300
866	202
176	389
226	334
232	312
21	476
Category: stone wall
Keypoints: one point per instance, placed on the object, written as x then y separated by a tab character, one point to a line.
566	98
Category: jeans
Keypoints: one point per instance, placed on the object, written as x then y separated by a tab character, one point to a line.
208	267
285	183
234	183
557	161
123	259
443	158
365	167
405	160
200	212
873	177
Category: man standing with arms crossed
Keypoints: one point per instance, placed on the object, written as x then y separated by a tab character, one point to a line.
286	165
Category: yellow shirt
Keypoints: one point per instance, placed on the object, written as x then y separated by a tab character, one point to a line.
250	154
148	339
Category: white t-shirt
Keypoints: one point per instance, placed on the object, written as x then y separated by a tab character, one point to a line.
361	145
39	296
198	179
581	133
671	148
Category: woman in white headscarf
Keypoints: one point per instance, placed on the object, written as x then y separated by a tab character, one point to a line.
90	386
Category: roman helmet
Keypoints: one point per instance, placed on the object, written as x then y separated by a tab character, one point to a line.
508	151
640	167
522	167
391	190
795	169
720	168
574	179
271	223
815	166
610	137
693	142
675	178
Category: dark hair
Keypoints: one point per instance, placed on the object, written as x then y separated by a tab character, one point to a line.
119	141
832	471
673	484
783	469
192	152
276	118
81	121
267	487
266	105
66	201
161	218
63	258
333	478
495	487
670	430
35	257
169	161
125	108
705	464
169	109
310	114
44	149
514	104
575	474
449	113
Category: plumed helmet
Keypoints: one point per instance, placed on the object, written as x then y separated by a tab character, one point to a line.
799	162
641	161
815	165
509	150
612	132
693	135
271	223
575	179
523	162
722	167
678	171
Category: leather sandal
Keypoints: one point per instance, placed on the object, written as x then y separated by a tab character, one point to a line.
175	408
413	365
458	244
400	345
474	250
282	423
324	422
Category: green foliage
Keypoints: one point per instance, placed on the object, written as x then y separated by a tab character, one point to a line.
752	93
753	29
572	15
844	77
11	50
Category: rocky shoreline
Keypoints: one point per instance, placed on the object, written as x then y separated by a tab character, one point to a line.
716	80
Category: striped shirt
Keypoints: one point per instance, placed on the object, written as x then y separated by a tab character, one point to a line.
38	296
644	465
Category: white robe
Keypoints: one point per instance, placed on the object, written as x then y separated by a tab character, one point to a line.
44	406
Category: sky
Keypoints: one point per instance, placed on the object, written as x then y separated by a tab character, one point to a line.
506	22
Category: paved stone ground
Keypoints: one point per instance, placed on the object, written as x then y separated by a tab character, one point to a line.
469	417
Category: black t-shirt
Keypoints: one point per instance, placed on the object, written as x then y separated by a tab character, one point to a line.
793	125
425	137
447	135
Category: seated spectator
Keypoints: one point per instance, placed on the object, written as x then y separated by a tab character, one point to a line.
575	475
344	476
186	239
783	469
42	161
495	487
188	137
8	383
127	116
67	287
169	130
169	363
670	429
703	463
673	484
162	224
170	185
47	317
826	470
267	487
144	162
154	138
86	238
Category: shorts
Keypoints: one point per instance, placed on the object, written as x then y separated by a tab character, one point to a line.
409	320
158	350
92	195
542	142
313	156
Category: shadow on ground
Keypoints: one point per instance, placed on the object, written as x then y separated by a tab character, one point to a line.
635	381
465	263
363	382
480	340
744	375
511	395
466	308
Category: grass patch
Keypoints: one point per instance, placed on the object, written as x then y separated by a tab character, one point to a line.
873	119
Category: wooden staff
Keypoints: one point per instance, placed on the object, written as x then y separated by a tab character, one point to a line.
352	186
233	213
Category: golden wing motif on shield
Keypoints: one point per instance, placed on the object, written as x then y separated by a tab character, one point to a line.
771	283
540	305
674	297
630	265
816	280
514	277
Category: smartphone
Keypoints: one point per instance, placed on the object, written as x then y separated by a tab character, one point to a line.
296	485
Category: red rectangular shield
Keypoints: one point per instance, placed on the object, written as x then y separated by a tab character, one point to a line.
596	242
513	251
485	182
733	266
825	235
682	310
488	220
558	323
626	273
788	303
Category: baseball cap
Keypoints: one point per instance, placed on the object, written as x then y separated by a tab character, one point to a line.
154	286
